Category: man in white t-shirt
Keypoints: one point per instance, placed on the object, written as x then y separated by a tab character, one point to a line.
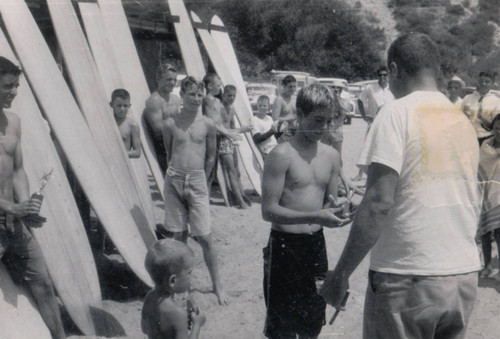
420	212
262	131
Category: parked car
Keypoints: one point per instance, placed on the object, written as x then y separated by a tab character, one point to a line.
255	90
303	78
355	89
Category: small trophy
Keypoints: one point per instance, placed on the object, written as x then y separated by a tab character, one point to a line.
35	218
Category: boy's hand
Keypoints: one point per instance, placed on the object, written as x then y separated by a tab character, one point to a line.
327	217
247	128
234	136
198	318
31	206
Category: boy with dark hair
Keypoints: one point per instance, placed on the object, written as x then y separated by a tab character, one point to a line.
284	111
299	189
169	263
129	130
19	251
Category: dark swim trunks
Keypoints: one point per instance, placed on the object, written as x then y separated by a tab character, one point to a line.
19	251
291	264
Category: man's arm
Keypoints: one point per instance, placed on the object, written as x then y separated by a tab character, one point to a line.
331	193
276	109
167	138
367	227
211	147
260	137
154	116
273	182
135	135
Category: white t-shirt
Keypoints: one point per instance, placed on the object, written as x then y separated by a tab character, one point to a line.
481	113
432	146
374	97
261	126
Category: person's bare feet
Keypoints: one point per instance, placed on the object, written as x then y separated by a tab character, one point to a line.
222	297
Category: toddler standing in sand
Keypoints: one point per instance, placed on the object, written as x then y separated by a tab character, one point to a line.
170	263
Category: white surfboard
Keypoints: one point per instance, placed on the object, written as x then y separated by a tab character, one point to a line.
105	60
251	160
134	81
20	317
74	136
94	104
62	238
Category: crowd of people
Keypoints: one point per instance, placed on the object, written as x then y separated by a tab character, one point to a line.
432	188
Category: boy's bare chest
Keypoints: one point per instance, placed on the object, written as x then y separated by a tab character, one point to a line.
303	173
191	133
8	141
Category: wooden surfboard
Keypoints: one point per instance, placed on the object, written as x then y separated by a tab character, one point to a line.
187	40
20	317
132	75
62	238
251	162
94	104
74	136
105	60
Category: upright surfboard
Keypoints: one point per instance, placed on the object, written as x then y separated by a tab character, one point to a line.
105	60
62	238
73	134
187	40
132	75
20	317
94	104
251	160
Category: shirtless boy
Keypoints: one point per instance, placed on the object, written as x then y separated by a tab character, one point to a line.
161	105
284	110
299	188
169	263
129	130
19	251
190	141
227	149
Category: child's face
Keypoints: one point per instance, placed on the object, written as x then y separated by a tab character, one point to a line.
453	89
183	278
484	84
214	87
290	88
263	106
314	126
228	97
120	107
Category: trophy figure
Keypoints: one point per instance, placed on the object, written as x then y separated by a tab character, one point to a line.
35	218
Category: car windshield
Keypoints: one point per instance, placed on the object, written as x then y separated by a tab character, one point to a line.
261	90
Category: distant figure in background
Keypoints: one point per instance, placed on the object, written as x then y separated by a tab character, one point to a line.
482	106
19	250
262	131
489	175
129	130
190	141
455	86
170	263
372	99
159	106
228	148
335	135
284	112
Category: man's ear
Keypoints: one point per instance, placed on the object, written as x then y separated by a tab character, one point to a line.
111	104
393	69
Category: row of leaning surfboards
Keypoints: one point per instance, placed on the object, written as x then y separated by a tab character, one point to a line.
120	193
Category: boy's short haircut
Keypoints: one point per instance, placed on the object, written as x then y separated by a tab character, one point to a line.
209	78
264	98
120	93
8	67
487	74
312	97
167	257
229	88
164	68
413	53
288	79
190	81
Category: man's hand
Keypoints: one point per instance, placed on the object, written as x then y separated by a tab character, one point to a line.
334	288
31	206
246	129
234	136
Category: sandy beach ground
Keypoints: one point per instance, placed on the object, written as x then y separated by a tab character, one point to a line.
240	236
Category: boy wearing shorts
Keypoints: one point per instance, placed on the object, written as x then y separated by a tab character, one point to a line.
190	141
299	189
